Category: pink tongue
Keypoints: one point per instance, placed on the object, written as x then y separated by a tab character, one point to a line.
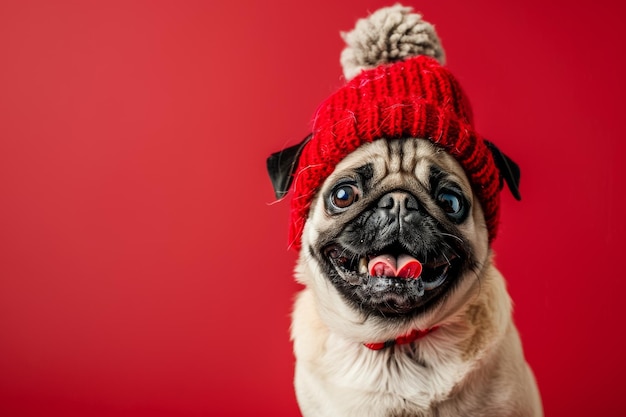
405	266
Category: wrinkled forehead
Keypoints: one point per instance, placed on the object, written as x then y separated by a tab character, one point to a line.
412	158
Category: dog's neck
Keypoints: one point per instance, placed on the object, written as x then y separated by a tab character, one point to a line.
401	340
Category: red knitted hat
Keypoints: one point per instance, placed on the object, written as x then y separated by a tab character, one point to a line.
401	91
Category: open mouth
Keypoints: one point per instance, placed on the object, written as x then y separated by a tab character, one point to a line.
391	263
393	280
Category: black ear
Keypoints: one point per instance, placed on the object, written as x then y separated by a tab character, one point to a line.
281	166
509	170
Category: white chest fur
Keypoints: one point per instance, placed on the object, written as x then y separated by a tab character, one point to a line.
420	374
340	377
473	364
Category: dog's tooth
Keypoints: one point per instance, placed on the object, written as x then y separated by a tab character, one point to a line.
363	266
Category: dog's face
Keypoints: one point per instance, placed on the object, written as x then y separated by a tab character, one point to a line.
389	209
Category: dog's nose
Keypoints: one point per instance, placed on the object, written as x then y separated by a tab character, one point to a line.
398	202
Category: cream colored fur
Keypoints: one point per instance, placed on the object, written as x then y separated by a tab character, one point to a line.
473	365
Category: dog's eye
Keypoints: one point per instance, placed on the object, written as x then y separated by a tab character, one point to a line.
344	195
452	204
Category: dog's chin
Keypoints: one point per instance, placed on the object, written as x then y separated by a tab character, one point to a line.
392	296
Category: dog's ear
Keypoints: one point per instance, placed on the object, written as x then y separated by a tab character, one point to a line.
509	170
281	166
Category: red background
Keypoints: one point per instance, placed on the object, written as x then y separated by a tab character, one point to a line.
143	268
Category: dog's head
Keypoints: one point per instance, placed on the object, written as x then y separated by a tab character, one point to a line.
395	230
396	227
395	194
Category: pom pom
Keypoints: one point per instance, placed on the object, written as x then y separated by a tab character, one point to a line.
390	34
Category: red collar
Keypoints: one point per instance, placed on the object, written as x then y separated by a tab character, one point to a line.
401	340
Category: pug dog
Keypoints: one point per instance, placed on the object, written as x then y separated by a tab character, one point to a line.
403	312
